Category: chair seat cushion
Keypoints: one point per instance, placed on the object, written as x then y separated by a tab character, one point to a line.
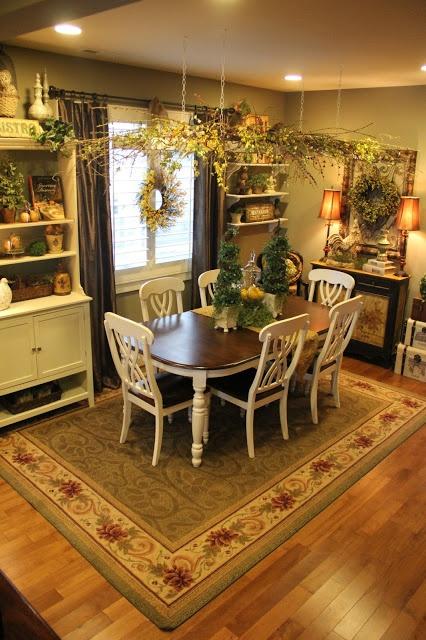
173	388
238	385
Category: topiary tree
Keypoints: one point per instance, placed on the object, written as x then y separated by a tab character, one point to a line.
227	291
274	273
423	287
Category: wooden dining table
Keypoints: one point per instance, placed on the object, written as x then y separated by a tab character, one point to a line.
187	344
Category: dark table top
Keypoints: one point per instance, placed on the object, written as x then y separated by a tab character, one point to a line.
189	340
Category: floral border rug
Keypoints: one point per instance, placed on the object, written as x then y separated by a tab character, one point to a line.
169	581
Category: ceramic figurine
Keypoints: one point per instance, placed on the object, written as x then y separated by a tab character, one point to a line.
5	294
37	110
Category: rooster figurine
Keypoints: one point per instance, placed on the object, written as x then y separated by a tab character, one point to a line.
349	244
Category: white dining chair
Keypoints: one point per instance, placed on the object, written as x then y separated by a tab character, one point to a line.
331	286
254	388
343	318
163	295
161	394
206	285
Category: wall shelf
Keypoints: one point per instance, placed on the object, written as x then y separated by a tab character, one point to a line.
30	225
240	196
252	224
8	262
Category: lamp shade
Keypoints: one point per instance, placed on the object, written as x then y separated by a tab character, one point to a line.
409	214
331	203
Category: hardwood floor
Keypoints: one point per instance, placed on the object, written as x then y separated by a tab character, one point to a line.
355	572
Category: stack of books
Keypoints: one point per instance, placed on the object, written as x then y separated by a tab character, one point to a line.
382	267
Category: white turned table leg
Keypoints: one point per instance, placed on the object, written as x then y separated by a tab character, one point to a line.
199	410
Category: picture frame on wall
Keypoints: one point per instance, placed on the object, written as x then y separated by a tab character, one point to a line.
402	174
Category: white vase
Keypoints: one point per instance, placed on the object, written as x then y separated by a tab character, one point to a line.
5	294
37	110
226	319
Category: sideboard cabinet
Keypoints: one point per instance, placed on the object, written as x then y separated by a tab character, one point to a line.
47	338
380	323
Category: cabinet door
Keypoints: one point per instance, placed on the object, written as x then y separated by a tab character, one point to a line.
59	338
18	363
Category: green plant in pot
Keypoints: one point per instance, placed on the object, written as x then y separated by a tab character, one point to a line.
11	190
274	272
258	182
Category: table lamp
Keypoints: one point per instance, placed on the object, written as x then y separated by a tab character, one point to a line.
330	211
408	219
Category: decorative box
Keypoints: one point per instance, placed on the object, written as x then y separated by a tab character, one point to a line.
31	398
259	212
415	334
419	310
411	362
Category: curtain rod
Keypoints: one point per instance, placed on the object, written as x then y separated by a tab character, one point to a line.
70	94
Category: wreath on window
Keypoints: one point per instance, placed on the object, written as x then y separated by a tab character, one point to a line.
160	212
374	197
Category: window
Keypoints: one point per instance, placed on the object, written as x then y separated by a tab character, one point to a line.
139	253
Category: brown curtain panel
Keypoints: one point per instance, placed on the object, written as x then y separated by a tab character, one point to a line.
95	234
208	227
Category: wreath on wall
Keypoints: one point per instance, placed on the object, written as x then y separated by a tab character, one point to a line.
160	213
374	197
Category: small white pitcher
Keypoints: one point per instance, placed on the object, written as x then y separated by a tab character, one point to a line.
5	294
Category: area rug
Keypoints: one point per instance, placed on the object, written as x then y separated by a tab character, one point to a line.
170	538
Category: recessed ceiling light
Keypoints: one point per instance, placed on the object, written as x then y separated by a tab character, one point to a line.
293	77
423	67
68	29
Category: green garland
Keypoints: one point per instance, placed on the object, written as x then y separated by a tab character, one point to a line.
374	197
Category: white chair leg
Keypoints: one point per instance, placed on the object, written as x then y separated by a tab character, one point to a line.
127	416
158	438
242	413
189	415
314	400
335	387
283	413
222	402
170	418
249	431
206	420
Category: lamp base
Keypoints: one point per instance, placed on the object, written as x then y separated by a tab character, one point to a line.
401	273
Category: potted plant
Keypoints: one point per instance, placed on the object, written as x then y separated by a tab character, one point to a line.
11	190
226	300
54	238
258	182
274	273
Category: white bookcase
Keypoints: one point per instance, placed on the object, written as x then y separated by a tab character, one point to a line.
47	338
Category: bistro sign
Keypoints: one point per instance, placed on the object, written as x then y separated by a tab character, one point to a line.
14	128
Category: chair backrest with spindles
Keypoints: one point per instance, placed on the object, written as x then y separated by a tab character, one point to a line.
162	295
206	285
130	345
343	318
331	286
282	345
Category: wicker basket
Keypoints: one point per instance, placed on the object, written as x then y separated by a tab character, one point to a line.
28	293
8	106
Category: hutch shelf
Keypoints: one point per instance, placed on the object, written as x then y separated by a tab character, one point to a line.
45	339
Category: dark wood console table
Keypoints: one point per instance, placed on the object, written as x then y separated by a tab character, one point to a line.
380	323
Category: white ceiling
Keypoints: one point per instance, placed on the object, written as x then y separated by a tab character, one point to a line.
376	42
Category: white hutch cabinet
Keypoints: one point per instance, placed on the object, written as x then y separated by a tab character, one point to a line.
46	338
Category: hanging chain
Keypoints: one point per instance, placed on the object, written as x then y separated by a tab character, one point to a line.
184	49
302	106
339	98
222	83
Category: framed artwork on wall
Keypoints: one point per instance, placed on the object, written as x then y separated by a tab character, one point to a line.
401	174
